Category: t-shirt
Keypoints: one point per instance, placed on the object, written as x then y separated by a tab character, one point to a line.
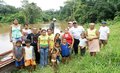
43	40
68	38
104	32
65	50
51	40
29	52
18	52
76	32
83	42
33	38
26	32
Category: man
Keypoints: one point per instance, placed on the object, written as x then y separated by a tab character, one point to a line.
70	26
52	25
76	32
104	34
33	37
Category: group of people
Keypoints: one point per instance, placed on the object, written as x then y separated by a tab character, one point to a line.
33	46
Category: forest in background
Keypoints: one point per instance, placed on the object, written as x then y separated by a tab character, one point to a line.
83	11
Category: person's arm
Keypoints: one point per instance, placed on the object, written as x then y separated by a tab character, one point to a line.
10	34
33	53
14	56
38	44
97	35
72	42
22	54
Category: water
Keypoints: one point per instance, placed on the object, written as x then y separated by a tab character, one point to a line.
6	45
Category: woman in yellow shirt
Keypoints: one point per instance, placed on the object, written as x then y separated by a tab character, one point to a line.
43	44
93	39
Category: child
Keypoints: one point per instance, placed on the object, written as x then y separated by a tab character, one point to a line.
54	58
65	51
18	54
57	47
29	56
57	38
83	44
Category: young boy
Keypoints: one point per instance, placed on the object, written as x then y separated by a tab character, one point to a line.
18	54
83	44
29	56
65	51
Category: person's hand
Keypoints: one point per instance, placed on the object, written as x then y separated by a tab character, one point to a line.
38	50
11	40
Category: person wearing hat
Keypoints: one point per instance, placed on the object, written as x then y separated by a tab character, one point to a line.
76	32
92	36
52	25
70	26
104	34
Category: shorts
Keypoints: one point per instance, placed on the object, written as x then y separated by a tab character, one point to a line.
65	55
103	41
19	63
14	40
30	62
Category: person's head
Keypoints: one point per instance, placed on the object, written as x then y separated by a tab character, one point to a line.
66	30
49	31
34	30
43	32
103	23
92	25
18	43
64	41
27	42
54	51
75	23
54	19
15	22
26	25
57	44
82	35
70	24
57	35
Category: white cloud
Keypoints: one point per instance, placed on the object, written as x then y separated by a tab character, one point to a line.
44	4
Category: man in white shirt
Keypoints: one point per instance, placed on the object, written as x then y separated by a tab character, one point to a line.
76	32
104	34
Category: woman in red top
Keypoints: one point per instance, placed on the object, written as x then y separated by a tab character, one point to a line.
69	38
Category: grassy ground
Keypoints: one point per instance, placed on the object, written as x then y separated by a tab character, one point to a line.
107	61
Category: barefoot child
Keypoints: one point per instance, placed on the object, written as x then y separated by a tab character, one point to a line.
57	47
83	44
65	51
29	56
18	54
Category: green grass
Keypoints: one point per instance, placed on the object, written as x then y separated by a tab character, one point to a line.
107	61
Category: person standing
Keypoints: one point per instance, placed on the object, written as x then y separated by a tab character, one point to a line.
25	32
52	25
104	32
93	39
33	37
15	32
76	32
51	42
43	44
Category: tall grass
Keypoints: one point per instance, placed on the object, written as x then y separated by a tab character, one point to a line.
106	61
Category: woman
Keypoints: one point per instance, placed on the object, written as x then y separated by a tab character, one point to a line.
43	44
15	32
69	38
93	39
25	32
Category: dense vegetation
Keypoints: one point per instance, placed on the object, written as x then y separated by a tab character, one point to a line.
81	10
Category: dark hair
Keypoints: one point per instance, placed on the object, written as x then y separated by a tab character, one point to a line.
27	41
43	30
19	41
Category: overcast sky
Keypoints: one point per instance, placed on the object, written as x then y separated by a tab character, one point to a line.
43	4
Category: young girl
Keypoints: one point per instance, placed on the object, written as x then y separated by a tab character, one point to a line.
57	38
83	44
29	56
65	50
18	54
